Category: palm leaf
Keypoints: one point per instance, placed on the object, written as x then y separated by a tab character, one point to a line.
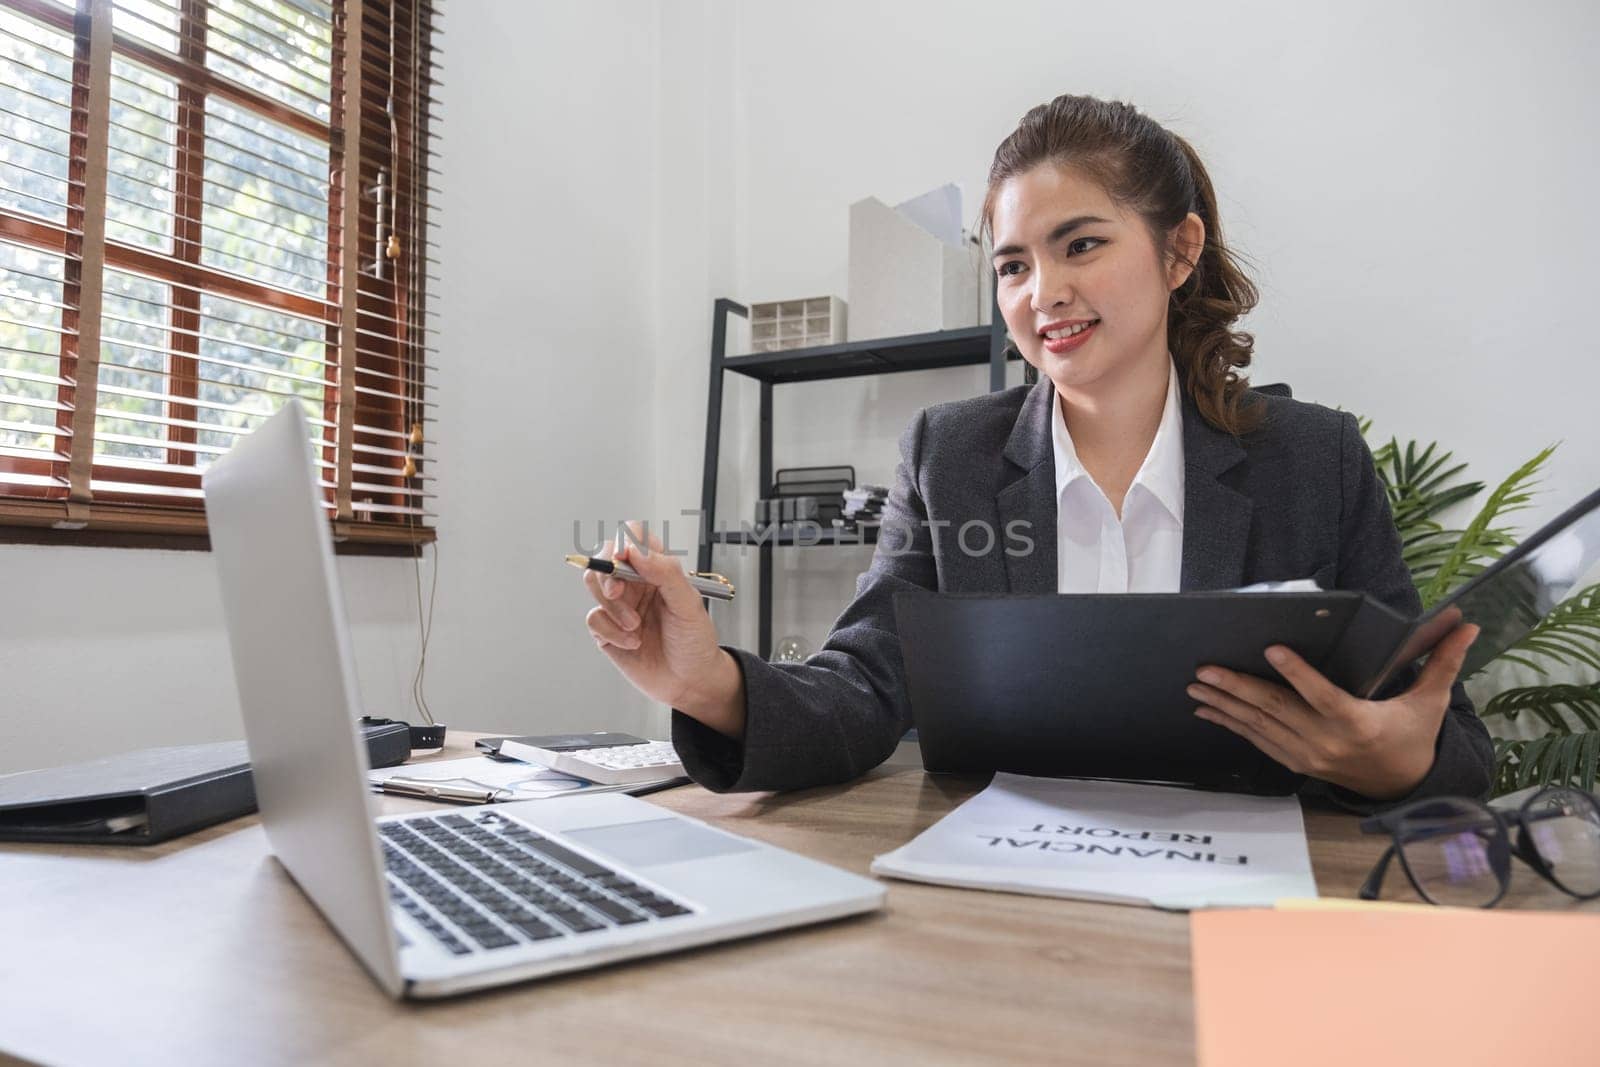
1562	759
1427	551
1569	634
1550	704
1482	542
1425	489
1419	484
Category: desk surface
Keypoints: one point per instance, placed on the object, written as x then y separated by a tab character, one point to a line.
202	951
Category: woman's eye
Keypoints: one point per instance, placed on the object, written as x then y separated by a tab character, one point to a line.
1083	244
1005	269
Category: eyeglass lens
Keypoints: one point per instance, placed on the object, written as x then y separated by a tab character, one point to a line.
1455	852
1564	826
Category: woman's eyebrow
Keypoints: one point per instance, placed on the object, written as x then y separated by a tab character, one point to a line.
1056	234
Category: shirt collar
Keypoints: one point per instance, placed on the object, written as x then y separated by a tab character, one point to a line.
1161	474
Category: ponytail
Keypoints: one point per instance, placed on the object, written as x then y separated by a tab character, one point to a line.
1201	314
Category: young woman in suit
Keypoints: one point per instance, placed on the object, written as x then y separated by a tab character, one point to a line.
1141	461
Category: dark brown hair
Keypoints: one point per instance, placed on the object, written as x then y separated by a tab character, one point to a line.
1156	173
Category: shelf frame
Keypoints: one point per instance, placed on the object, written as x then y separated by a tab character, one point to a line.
968	346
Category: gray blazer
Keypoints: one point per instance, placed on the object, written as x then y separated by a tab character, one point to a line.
1297	497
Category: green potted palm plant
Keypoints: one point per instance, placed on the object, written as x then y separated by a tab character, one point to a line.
1541	698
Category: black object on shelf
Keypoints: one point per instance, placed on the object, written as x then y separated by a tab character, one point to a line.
969	346
808	481
806	494
822	510
789	536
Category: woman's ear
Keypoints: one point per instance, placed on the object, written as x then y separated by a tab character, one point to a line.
1188	240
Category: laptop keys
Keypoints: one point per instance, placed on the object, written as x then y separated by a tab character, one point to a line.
612	910
535	928
566	857
427	922
498	883
575	920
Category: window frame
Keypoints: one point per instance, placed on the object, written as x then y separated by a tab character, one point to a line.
394	354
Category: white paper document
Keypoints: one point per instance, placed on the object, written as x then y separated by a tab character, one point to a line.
1294	585
1121	842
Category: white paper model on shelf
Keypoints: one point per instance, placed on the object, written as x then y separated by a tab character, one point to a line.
912	270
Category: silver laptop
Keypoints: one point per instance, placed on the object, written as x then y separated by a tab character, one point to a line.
441	903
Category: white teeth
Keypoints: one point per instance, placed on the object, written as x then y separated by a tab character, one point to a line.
1058	334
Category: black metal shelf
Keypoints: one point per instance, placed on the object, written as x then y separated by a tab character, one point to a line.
828	537
970	346
967	347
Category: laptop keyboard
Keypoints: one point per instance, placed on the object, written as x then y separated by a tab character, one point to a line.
490	883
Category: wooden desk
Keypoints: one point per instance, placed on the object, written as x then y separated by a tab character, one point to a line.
201	951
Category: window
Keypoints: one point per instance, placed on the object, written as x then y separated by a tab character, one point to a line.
185	188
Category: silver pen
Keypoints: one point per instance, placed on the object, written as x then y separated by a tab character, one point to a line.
433	789
705	583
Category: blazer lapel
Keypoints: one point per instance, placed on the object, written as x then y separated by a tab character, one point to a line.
1216	518
1031	497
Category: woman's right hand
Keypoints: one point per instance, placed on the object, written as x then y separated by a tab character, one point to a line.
661	637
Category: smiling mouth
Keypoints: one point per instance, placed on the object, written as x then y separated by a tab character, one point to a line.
1068	331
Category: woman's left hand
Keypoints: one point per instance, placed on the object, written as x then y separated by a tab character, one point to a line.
1379	748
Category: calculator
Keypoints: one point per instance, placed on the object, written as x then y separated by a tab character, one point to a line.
606	758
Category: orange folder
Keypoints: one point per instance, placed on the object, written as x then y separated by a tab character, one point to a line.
1446	986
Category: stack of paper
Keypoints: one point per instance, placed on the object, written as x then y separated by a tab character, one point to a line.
865	502
1121	842
500	780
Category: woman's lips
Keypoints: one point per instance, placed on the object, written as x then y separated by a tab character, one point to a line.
1059	345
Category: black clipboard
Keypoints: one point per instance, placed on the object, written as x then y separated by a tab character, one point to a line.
1095	685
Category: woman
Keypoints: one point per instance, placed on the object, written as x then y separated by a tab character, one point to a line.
1140	462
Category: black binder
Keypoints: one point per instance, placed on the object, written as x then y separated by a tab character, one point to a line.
1095	685
140	798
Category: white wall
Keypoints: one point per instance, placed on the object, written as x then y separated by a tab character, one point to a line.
1414	184
138	657
548	311
547	382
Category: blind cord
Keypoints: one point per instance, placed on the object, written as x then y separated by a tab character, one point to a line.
424	623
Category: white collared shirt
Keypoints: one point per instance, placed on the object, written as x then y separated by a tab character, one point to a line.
1143	551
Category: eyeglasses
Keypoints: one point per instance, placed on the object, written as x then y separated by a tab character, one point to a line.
1458	851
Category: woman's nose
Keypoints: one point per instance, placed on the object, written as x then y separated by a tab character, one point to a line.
1051	289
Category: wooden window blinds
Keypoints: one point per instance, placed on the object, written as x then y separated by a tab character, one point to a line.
208	207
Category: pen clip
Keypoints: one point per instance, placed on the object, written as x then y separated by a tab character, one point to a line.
710	576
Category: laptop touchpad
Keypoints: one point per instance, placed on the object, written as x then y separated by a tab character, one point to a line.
657	841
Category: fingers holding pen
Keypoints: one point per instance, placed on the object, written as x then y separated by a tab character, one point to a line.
606	631
615	599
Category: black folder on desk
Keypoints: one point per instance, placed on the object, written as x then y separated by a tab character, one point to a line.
140	798
1095	685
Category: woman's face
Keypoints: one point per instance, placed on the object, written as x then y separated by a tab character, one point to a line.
1079	281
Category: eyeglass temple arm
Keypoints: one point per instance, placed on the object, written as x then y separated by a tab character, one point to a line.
1374	883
